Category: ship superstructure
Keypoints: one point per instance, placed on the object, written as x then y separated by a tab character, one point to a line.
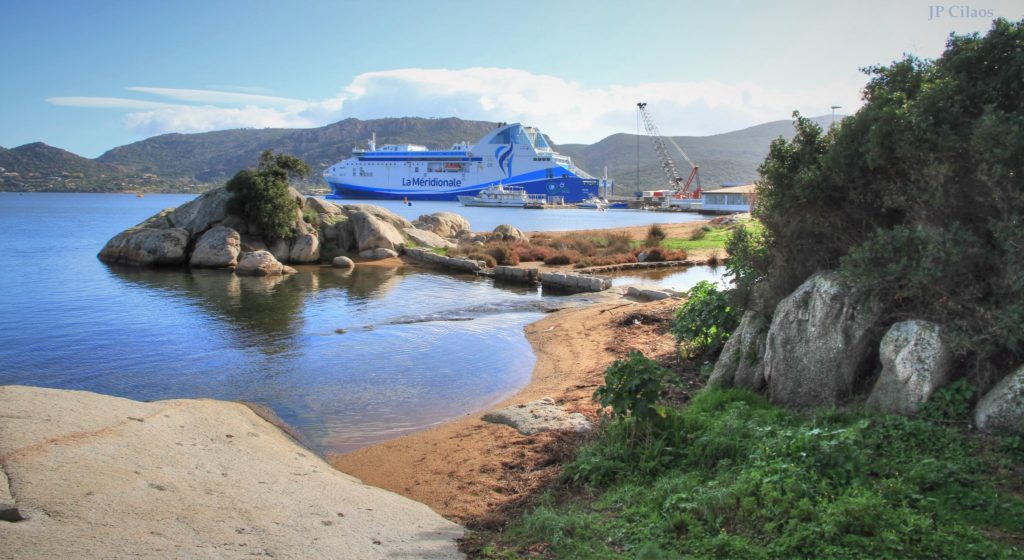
511	154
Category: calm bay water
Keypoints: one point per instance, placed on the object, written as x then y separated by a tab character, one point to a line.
346	358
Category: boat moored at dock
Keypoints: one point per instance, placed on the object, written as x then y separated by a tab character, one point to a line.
509	154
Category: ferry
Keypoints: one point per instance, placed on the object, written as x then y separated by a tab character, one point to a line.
509	154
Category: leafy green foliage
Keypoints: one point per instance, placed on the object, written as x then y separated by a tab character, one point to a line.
632	387
950	403
748	258
736	477
917	195
705	321
261	197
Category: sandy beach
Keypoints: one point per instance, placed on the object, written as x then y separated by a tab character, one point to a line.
467	469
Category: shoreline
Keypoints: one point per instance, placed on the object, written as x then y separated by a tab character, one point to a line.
466	469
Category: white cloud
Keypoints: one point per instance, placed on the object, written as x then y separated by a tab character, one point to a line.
567	110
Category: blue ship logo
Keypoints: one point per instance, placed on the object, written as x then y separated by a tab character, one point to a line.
505	158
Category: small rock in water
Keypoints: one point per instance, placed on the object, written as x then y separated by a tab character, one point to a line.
340	331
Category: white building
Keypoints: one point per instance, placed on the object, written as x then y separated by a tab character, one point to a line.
730	200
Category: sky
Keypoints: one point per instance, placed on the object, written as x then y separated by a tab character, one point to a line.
90	75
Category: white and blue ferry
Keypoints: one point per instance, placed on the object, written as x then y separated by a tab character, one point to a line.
512	154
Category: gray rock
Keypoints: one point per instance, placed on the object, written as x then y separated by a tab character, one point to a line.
510	233
323	207
337	237
741	363
819	338
8	509
649	293
1001	410
258	263
343	262
158	220
147	247
377	254
539	416
202	212
373	233
446	224
217	248
305	248
382	214
280	248
915	362
428	239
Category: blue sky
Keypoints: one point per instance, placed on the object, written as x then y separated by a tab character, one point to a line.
91	75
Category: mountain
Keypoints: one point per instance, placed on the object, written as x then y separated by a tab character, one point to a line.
732	157
197	162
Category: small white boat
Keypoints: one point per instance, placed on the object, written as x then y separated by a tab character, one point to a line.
498	196
593	203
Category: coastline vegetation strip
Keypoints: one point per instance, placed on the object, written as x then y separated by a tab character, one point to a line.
732	476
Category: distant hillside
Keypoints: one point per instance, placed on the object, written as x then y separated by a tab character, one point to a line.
729	157
38	167
213	157
197	162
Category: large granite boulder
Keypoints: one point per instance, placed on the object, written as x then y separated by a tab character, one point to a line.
377	254
305	248
741	363
818	342
539	416
337	237
382	214
916	361
1001	410
510	233
322	207
446	224
94	476
202	212
260	263
147	247
374	233
342	262
428	239
217	248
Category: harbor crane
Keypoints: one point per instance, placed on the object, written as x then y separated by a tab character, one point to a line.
678	184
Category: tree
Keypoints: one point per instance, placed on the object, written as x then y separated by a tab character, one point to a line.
261	197
919	197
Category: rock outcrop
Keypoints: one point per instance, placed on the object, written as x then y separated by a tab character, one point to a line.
377	254
741	363
260	263
104	477
218	247
446	224
510	233
147	247
202	212
305	248
819	339
915	362
342	262
374	233
1001	410
382	214
427	239
539	416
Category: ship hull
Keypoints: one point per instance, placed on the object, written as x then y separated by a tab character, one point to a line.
571	189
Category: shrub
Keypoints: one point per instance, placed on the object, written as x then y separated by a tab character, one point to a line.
632	387
655	235
563	257
616	243
748	260
528	253
660	254
618	258
261	197
481	256
502	254
705	321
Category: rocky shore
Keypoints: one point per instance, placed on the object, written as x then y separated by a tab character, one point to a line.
92	476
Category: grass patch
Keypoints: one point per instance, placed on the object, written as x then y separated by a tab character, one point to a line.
732	476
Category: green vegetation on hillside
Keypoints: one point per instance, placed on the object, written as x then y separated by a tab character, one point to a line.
731	476
917	197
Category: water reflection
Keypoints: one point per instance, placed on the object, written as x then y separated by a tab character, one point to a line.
679	279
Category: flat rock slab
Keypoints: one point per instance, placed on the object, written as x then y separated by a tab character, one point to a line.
105	477
539	416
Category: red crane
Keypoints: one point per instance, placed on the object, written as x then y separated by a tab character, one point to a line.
676	182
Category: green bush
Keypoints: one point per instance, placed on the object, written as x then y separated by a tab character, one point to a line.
261	197
748	259
705	321
632	387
